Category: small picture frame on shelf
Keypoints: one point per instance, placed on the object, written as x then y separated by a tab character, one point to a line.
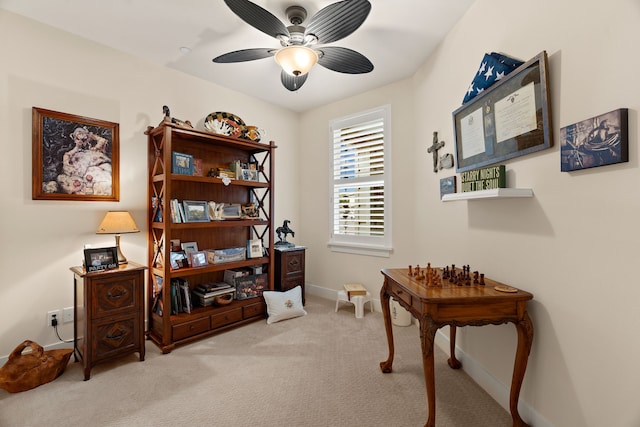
100	259
448	185
251	210
178	260
254	248
175	245
182	164
189	246
232	211
195	211
198	259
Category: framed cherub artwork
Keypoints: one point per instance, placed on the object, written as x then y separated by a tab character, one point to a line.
74	157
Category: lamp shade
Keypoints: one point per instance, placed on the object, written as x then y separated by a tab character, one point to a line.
296	60
117	222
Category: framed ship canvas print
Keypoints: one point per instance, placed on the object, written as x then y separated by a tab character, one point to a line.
74	157
598	141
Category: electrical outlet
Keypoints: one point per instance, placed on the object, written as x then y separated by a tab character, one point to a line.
67	315
50	315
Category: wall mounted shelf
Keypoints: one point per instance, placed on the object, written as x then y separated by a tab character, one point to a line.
498	193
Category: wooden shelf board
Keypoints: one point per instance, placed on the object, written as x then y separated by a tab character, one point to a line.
498	193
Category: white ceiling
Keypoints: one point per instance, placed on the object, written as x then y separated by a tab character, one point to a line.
398	36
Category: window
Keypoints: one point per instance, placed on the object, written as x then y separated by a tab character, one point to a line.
360	208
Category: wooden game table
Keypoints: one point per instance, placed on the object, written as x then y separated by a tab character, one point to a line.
457	305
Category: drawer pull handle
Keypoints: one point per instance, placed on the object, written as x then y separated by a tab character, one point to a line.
122	293
117	337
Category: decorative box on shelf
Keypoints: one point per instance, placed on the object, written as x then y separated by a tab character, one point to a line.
219	256
247	285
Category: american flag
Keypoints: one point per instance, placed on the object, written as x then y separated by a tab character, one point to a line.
493	68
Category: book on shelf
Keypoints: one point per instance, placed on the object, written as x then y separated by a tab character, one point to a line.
174	298
157	294
186	296
212	294
158	280
183	216
197	167
156	208
175	211
158	305
210	287
354	289
180	296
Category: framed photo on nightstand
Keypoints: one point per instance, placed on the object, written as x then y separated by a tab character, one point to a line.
99	259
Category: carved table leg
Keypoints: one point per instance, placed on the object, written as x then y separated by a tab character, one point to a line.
525	339
386	314
428	331
453	362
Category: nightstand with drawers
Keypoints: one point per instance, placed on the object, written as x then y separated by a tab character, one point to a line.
289	268
108	314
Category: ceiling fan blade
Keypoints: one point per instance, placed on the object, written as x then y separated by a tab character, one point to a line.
258	17
244	55
292	83
338	20
344	60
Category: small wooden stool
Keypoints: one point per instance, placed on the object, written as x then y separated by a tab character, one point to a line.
357	300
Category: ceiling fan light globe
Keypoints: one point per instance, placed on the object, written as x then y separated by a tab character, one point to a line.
296	60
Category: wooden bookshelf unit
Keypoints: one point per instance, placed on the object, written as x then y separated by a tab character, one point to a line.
213	151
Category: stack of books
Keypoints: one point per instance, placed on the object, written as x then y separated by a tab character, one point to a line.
180	296
206	293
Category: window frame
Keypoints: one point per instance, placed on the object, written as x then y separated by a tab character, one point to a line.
363	245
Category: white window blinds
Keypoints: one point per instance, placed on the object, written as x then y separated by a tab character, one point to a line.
359	212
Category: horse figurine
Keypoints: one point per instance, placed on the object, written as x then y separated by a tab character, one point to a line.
284	230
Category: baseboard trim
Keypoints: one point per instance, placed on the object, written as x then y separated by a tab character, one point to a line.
497	390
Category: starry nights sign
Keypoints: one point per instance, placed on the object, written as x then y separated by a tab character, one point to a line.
484	179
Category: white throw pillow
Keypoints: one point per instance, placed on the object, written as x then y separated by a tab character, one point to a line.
284	305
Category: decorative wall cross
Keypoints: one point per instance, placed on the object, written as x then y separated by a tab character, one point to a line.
435	146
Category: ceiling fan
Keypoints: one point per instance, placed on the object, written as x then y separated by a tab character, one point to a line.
301	48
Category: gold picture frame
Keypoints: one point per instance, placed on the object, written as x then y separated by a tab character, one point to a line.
74	157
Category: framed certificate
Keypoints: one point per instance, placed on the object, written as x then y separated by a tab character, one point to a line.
512	118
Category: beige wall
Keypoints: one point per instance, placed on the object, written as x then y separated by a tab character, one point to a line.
574	245
47	68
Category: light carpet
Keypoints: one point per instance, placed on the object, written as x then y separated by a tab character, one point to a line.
318	370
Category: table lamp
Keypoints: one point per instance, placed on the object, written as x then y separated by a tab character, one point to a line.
118	222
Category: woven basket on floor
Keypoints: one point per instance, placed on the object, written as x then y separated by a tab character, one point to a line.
26	371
